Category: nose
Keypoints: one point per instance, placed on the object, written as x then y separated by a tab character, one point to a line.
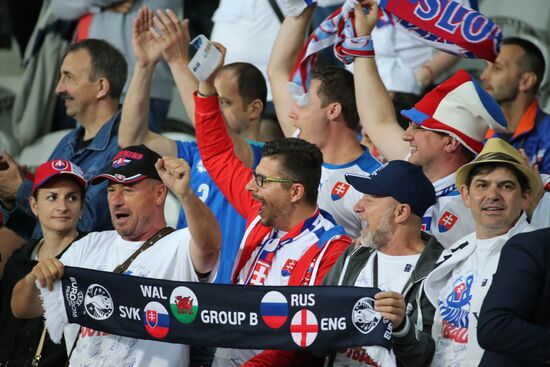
115	198
493	193
251	185
408	134
359	207
484	77
62	205
60	87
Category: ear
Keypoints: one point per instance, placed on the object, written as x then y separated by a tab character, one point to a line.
402	213
527	200
32	204
297	192
334	110
255	109
451	144
160	194
527	81
104	88
465	195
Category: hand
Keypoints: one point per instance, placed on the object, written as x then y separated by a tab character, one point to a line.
365	23
10	179
175	173
123	6
47	271
146	48
223	51
392	307
173	38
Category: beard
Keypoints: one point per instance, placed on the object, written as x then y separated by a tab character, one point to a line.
380	237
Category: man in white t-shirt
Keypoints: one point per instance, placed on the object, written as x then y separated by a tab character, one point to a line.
394	256
326	117
497	187
138	180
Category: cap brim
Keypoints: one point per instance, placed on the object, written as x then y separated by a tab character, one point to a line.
126	180
81	181
365	185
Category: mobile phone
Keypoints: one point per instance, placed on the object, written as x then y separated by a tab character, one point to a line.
206	58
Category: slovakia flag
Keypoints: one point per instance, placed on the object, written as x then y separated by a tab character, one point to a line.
156	320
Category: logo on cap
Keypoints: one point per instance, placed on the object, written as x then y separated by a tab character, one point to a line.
60	165
120	162
120	177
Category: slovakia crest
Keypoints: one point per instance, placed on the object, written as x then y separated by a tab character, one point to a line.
446	221
339	190
59	165
156	320
120	162
288	267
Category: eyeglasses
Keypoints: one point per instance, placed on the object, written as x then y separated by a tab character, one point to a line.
260	179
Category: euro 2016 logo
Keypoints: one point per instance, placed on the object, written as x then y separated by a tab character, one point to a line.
98	302
364	317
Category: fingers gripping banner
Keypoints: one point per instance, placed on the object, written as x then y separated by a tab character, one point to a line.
259	317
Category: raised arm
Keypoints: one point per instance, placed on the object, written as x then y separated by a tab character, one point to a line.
205	232
435	67
374	104
288	44
25	300
133	128
175	50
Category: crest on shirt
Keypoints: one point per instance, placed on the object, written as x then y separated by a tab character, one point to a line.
446	221
288	267
339	190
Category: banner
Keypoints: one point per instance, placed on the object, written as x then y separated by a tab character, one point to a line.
233	316
443	24
448	26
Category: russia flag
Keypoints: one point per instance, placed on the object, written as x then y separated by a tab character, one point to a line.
156	320
274	309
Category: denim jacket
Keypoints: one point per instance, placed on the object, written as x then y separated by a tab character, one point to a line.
92	159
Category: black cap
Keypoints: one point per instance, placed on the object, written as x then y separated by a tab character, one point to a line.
131	164
403	181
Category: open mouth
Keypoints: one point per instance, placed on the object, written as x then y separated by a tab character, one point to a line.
121	216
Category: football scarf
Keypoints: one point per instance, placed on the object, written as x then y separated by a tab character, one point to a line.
325	318
443	24
315	230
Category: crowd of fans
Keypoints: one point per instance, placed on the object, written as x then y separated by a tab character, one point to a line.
445	208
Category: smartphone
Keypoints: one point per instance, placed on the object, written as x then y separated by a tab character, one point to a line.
206	58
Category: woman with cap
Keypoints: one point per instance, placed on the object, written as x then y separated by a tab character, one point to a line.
57	201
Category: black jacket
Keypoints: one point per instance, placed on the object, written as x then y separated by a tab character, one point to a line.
514	322
414	346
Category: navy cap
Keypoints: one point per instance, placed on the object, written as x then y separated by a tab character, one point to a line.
130	165
403	181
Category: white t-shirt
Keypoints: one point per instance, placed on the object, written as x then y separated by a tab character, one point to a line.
393	274
167	259
462	297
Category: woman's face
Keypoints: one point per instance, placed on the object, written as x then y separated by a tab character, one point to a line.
58	205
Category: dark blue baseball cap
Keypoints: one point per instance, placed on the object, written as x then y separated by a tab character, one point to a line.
403	181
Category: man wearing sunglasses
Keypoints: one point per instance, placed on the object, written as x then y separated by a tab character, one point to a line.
288	239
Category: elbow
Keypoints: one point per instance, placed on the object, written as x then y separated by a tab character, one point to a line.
489	329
